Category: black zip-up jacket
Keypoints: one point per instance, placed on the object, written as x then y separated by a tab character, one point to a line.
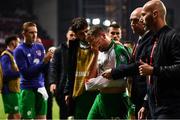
58	69
165	89
72	62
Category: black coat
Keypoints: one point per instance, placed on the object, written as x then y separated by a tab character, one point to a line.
72	62
166	61
58	69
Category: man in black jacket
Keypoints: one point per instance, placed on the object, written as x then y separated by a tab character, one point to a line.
163	67
58	73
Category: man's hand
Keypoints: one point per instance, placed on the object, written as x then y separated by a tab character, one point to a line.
142	113
145	69
95	46
107	73
48	56
52	88
67	99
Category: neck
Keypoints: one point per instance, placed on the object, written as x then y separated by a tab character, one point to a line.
28	42
160	25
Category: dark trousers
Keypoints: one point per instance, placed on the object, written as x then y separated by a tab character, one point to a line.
49	106
62	106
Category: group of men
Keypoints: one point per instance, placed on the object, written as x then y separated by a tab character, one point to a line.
91	73
159	62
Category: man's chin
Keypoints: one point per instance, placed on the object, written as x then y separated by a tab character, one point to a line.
146	28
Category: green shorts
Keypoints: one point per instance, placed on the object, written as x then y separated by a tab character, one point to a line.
32	104
110	106
11	103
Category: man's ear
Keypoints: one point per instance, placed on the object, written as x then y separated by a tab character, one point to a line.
22	32
155	14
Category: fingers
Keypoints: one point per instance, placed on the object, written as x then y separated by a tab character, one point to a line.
67	99
52	88
140	70
48	56
141	113
107	73
143	69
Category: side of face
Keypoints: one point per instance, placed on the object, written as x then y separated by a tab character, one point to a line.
99	41
147	18
82	33
30	34
114	33
70	35
15	43
136	25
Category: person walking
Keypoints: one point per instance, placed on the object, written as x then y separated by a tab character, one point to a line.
11	81
163	68
32	61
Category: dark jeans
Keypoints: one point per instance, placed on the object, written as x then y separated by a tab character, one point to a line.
62	106
49	106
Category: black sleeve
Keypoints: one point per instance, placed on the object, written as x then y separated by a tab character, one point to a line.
172	70
54	67
125	70
145	104
167	71
72	62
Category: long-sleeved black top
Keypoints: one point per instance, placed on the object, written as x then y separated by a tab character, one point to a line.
166	61
58	68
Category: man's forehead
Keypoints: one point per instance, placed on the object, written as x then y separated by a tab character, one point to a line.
134	16
32	29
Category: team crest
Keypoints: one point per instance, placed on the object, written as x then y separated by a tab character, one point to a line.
122	58
38	52
36	61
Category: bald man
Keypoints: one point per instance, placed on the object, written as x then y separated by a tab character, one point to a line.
136	25
163	66
139	82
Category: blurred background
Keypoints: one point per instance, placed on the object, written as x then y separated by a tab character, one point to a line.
53	16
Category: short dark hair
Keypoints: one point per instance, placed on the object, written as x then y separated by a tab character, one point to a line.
78	24
10	38
95	31
114	25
